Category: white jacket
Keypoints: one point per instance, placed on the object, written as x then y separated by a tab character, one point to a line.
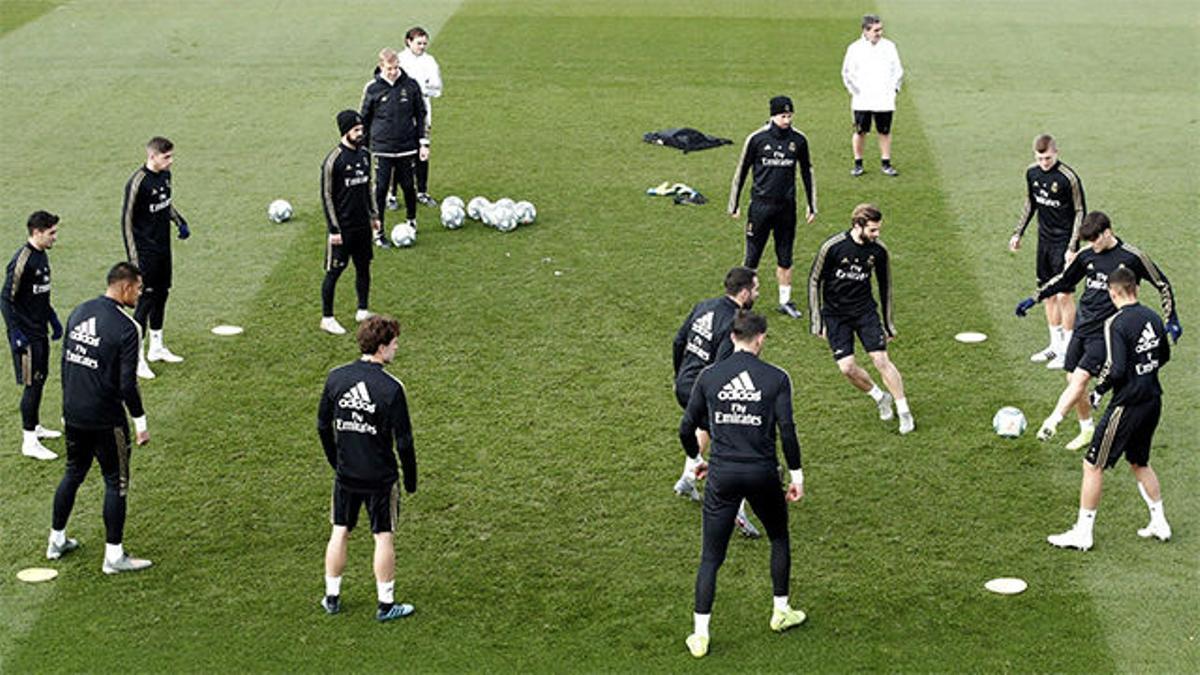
424	69
872	74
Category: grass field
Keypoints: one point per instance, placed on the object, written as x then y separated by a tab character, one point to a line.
544	535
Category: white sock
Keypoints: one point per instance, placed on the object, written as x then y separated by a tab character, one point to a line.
876	393
156	339
700	624
113	552
58	537
1064	340
1054	419
387	590
30	437
902	406
781	603
785	295
333	585
1086	425
1087	518
1055	336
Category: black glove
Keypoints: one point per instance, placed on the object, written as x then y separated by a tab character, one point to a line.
1094	399
184	230
1174	329
56	331
1025	305
18	340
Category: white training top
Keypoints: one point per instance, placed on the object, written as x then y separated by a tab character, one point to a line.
872	74
424	69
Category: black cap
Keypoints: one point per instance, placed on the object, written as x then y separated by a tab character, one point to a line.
781	104
347	120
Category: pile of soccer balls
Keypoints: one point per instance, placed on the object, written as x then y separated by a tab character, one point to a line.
504	215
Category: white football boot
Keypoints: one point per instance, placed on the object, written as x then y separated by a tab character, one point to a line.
1072	538
1159	529
330	325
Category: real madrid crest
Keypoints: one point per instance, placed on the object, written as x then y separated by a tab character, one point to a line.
1054	187
792	146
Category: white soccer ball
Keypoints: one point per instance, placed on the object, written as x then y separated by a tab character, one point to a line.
476	207
456	201
452	216
505	201
1009	422
526	212
279	211
404	235
503	217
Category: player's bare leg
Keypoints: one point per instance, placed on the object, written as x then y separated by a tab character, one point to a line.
1151	493
1080	536
1072	397
895	384
335	564
783	275
385	579
862	381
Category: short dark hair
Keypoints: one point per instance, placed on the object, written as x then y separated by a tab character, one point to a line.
870	20
123	271
865	213
1044	143
748	325
1094	224
376	332
159	145
739	278
40	220
414	33
1124	281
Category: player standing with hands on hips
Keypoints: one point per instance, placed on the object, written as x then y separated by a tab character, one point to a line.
99	379
772	153
420	65
872	74
363	414
743	400
146	219
25	302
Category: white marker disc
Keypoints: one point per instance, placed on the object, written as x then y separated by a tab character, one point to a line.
33	575
970	337
1006	585
225	329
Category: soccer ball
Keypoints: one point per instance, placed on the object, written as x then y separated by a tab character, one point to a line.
452	215
502	217
526	213
1009	422
279	211
505	201
404	235
454	200
476	207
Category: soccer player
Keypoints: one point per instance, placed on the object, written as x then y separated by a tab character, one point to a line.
1085	353
702	340
362	415
742	400
872	74
773	153
1136	348
25	303
420	65
351	215
146	218
841	306
1054	191
393	115
99	379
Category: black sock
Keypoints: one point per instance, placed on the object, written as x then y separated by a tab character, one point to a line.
858	162
886	162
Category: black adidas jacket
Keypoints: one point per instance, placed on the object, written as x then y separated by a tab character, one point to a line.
99	366
363	412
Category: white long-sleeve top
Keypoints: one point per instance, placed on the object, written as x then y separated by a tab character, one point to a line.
424	69
872	74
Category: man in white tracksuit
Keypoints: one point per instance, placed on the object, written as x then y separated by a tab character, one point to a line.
421	66
872	73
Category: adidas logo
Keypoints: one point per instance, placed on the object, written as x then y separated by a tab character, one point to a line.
85	332
703	326
740	388
357	398
1147	340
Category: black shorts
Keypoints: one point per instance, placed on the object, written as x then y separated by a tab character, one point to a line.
1127	430
110	447
766	218
1087	352
33	364
883	121
840	332
1050	260
356	246
156	272
383	507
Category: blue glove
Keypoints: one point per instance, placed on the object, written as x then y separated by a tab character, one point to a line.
184	232
1025	305
18	339
1174	329
55	326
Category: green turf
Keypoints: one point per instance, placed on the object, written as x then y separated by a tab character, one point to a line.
544	536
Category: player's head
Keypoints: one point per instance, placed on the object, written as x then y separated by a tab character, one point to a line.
782	111
124	283
378	337
160	153
741	284
389	64
350	125
865	222
749	329
1045	151
1122	285
1096	229
43	229
872	27
417	40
